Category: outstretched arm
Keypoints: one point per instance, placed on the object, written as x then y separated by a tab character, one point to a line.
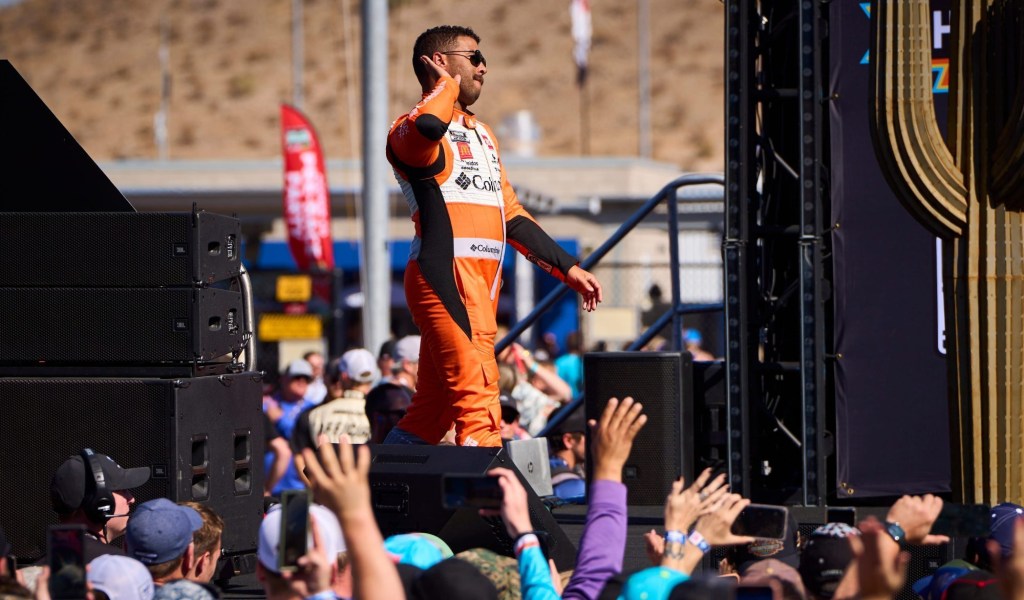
341	482
604	536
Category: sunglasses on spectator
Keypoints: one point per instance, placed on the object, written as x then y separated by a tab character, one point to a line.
475	56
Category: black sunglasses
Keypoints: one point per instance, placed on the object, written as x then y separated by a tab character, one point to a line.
475	56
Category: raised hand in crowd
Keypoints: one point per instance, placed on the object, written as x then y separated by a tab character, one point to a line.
602	547
611	437
683	506
713	528
341	482
881	566
916	515
1010	570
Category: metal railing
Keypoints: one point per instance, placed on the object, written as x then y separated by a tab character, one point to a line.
674	314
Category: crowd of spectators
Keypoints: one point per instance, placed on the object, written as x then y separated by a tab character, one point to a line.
170	551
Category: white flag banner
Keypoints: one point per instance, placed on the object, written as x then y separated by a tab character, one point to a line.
581	30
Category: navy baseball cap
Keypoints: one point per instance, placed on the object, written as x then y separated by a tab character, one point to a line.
67	487
160	531
1001	530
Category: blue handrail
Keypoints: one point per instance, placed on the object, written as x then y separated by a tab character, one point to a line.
673	230
674	315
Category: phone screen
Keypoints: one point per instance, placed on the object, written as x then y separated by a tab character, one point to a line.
762	521
843	514
294	529
471	491
971	520
66	557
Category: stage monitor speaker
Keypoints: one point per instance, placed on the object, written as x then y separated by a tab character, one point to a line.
118	326
663	383
407	491
202	439
118	249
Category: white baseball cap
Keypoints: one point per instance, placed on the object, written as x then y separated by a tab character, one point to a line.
270	534
359	364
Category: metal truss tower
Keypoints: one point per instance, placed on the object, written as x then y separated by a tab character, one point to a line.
776	249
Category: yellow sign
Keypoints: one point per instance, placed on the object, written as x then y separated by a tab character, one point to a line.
277	327
294	288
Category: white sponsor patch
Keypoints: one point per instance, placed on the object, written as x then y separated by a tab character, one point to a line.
477	248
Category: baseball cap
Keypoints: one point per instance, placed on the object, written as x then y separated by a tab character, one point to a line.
825	557
576	422
453	579
270	535
120	577
413	549
359	364
763	571
931	587
298	368
509	410
408	348
67	487
387	349
160	530
1001	530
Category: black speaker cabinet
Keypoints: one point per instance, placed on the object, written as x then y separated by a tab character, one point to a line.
663	383
117	249
202	438
122	326
407	497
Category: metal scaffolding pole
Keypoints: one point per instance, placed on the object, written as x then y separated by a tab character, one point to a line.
375	265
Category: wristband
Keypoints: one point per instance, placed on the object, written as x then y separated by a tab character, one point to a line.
324	595
698	540
532	538
675	537
525	541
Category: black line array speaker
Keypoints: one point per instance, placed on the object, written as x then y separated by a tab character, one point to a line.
118	249
202	438
407	497
97	326
663	383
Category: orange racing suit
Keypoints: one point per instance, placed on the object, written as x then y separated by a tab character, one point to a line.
464	210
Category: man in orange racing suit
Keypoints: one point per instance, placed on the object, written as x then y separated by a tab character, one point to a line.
464	210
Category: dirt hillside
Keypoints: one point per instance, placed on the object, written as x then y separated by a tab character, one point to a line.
96	64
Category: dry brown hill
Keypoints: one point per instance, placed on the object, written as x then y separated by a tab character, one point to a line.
95	63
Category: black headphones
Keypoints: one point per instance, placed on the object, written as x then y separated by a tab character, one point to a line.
98	501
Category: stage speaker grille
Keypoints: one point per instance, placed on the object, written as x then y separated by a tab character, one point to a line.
202	439
663	383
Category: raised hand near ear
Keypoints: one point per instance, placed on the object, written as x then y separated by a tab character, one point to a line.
436	72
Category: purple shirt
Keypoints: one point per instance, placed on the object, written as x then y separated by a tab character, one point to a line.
603	545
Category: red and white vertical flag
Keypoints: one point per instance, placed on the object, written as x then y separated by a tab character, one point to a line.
307	206
580	12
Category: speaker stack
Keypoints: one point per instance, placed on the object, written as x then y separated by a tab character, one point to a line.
122	332
663	383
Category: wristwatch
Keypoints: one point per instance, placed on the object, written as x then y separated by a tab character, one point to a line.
895	532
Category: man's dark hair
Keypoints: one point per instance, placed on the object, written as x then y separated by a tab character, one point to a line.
437	39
